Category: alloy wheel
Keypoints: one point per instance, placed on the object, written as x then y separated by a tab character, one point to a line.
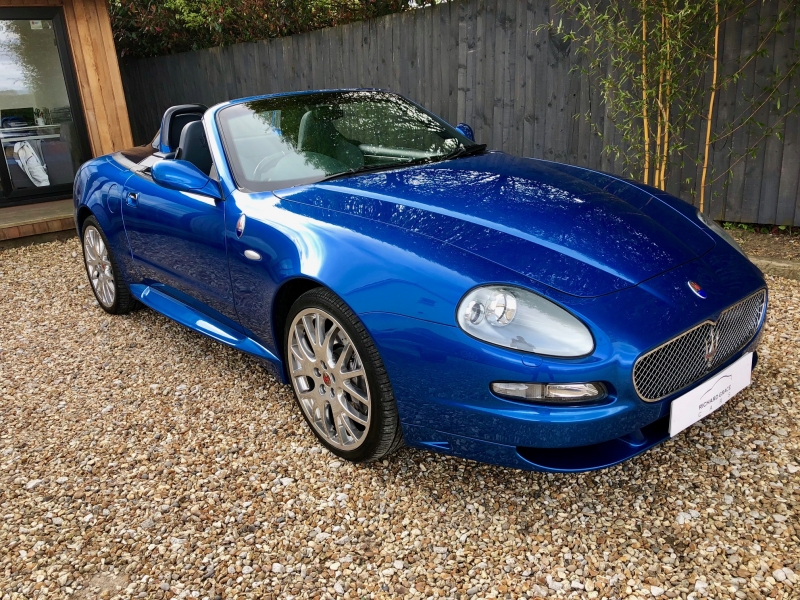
98	266
329	379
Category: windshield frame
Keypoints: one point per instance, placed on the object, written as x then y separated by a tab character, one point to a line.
237	176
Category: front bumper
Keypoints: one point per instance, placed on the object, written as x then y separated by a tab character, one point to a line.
441	380
571	459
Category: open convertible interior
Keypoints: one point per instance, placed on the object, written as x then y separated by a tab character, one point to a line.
291	140
180	137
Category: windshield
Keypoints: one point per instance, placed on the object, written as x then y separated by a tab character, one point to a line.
293	140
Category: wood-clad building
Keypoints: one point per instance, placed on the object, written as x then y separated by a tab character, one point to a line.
61	103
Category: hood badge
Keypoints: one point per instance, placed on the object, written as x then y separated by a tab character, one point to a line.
240	225
711	347
698	291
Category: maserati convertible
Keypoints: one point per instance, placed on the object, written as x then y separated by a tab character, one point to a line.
414	287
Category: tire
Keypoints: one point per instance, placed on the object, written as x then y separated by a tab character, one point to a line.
110	290
323	366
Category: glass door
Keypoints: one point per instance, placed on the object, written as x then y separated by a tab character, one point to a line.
42	133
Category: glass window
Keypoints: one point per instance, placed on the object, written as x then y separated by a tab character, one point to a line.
303	138
37	132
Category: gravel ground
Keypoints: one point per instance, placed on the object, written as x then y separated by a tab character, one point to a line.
138	459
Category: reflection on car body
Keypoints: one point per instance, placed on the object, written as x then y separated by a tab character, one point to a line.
413	286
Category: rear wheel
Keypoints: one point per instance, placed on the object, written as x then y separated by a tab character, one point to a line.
109	288
339	379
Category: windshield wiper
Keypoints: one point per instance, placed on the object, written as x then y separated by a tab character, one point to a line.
463	151
370	168
459	152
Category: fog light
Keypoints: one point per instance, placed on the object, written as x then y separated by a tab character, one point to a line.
563	393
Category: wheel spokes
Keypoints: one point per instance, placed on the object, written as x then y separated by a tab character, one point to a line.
99	247
303	343
101	287
346	409
356	393
89	246
98	266
327	343
351	431
310	326
329	379
343	358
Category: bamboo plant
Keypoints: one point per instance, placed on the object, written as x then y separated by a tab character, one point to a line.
657	63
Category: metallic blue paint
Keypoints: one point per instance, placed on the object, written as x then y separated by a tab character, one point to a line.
178	241
402	247
199	321
466	130
183	176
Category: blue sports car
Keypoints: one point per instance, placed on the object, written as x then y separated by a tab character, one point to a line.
416	288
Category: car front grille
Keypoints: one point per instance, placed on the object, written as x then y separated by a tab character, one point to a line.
692	355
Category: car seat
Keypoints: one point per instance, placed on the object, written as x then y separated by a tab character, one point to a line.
174	120
317	134
193	147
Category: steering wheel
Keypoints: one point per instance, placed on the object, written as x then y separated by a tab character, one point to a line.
267	163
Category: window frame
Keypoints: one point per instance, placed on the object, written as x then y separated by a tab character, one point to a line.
9	196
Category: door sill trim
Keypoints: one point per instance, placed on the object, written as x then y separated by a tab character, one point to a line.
197	321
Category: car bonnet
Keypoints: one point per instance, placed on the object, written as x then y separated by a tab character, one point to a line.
581	232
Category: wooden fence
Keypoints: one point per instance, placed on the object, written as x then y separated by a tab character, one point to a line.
484	63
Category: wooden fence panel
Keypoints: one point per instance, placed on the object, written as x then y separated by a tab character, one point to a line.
488	63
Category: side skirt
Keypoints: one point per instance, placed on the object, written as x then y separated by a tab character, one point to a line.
197	321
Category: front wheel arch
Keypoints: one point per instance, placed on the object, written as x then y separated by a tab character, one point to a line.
285	297
122	301
83	214
383	435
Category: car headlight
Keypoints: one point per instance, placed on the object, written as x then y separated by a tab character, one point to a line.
712	225
516	318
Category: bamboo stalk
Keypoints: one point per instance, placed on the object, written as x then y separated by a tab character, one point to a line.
710	108
657	170
665	149
645	120
665	144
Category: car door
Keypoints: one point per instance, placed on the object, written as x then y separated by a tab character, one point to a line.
177	240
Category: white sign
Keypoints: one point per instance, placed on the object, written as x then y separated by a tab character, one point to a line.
710	395
36	24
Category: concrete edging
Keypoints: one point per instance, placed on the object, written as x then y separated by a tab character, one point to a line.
780	268
39	238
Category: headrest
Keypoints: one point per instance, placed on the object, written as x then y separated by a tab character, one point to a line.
193	147
174	120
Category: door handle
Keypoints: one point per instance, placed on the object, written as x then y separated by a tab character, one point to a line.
132	199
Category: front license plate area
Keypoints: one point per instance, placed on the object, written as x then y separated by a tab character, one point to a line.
710	395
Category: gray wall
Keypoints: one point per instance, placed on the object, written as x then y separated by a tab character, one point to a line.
482	62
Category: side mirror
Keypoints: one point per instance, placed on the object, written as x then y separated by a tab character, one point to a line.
183	176
466	130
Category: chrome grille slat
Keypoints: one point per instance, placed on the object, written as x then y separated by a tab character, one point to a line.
682	361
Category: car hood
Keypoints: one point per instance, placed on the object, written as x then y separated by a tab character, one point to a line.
581	232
